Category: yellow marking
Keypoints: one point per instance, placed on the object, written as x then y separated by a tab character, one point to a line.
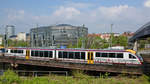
27	54
1	47
131	51
92	62
90	58
88	61
27	57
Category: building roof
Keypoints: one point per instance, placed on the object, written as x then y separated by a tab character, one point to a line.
63	25
55	26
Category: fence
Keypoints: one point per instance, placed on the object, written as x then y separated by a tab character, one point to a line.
37	73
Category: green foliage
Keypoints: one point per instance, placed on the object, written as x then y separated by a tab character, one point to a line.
16	43
78	77
96	42
105	75
9	77
120	40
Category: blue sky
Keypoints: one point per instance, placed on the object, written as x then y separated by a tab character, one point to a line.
97	15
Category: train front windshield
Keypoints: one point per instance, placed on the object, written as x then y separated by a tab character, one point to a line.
140	57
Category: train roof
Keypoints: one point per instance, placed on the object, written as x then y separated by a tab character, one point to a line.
76	49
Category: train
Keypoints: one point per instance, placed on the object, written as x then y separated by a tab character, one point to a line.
82	56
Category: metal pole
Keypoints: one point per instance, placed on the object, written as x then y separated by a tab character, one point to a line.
110	45
83	40
6	38
37	42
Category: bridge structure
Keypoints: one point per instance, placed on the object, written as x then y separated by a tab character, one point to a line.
118	68
141	33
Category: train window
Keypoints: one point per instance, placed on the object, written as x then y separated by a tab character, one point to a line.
41	53
71	55
36	53
64	54
77	55
98	54
82	55
112	55
119	55
60	54
45	53
20	51
32	53
131	56
15	51
12	51
50	54
104	55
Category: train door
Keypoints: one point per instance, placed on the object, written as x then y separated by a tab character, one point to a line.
90	58
27	54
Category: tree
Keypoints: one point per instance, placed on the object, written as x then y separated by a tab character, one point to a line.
15	43
96	42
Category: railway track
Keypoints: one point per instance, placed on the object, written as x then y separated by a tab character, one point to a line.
78	66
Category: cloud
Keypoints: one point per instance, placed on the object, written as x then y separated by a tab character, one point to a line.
15	15
79	5
112	12
66	12
97	19
147	3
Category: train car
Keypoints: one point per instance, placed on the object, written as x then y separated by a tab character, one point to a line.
19	52
83	56
91	56
31	53
116	57
42	54
71	55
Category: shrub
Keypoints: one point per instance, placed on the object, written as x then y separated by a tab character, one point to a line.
10	77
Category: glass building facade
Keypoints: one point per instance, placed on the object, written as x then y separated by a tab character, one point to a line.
10	30
59	35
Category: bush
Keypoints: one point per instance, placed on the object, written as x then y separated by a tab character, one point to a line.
10	77
78	77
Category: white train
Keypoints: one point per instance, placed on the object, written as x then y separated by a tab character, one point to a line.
86	56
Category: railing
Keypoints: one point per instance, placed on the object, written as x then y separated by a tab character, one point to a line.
37	73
